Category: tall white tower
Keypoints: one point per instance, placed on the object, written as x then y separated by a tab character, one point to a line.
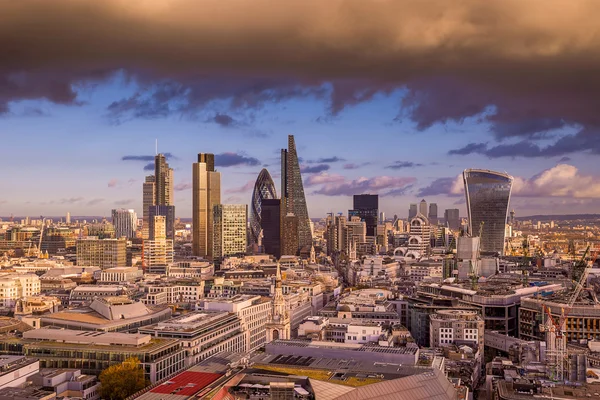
278	326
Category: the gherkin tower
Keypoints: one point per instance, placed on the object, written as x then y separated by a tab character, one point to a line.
264	188
292	193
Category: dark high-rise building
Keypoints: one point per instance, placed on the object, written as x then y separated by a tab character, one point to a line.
270	220
433	214
452	218
488	196
290	241
366	206
293	201
412	211
264	188
163	182
166	211
206	193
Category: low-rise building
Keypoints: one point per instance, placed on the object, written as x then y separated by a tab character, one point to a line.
456	327
15	370
15	286
109	314
92	351
121	274
254	312
202	333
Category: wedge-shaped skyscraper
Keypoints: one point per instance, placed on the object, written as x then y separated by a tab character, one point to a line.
264	188
293	201
488	196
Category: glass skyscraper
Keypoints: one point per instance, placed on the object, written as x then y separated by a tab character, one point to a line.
293	202
488	195
366	206
264	188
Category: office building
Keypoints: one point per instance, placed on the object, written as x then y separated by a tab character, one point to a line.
229	230
166	211
412	211
452	218
433	214
206	193
159	250
488	195
366	206
293	201
270	220
344	236
148	193
456	327
103	253
290	240
163	182
92	352
68	218
254	311
423	208
16	286
202	333
125	223
264	188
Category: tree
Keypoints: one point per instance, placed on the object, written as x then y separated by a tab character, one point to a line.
122	380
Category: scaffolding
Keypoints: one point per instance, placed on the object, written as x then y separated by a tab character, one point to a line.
557	357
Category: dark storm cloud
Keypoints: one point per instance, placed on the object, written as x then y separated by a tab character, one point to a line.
469	149
440	186
314	169
326	160
168	156
235	159
585	140
224	120
529	66
403	164
149	167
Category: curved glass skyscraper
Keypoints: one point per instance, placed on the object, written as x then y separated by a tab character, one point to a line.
264	188
488	195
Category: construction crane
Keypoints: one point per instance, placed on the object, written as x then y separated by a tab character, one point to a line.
556	338
41	236
474	268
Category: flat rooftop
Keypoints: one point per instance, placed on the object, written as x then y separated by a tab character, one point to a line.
89	337
191	321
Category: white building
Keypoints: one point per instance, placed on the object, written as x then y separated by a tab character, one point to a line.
173	293
449	327
202	333
187	269
253	310
15	370
14	286
121	274
419	239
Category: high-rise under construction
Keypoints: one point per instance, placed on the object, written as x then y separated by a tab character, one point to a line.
293	202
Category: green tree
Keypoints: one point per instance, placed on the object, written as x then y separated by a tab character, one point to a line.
122	380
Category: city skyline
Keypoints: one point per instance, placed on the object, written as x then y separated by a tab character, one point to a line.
375	108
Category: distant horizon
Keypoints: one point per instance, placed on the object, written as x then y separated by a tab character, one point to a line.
99	217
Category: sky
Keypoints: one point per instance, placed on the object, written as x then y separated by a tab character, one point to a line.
393	97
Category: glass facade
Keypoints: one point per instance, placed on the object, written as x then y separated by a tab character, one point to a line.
488	195
366	206
264	188
292	196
